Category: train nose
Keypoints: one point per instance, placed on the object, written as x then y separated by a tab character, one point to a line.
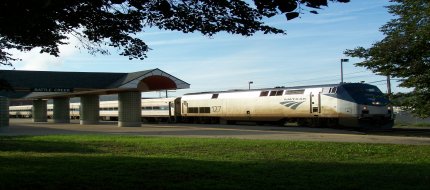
368	111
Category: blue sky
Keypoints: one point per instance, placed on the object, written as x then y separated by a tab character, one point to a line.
309	54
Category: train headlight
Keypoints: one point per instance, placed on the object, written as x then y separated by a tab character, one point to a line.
365	110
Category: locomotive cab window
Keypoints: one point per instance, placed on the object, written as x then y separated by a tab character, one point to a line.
365	94
264	93
294	92
332	90
279	92
215	96
272	93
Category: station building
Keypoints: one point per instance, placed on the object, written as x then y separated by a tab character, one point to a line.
39	86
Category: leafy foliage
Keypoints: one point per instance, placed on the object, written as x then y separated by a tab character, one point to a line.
404	53
46	24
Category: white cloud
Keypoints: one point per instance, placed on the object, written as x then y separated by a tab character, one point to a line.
34	60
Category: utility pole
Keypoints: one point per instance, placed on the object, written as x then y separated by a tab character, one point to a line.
249	85
388	85
341	69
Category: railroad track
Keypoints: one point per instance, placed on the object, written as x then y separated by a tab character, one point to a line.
414	132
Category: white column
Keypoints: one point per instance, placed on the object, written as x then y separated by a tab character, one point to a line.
61	110
40	110
90	109
129	109
4	112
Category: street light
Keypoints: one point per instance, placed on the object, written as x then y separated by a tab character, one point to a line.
341	68
249	85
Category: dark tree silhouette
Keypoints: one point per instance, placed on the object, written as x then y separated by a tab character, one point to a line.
404	53
27	24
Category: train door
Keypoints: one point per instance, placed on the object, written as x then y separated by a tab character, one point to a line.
249	105
185	108
177	109
171	110
315	103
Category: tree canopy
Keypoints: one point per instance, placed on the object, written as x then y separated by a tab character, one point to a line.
27	24
404	53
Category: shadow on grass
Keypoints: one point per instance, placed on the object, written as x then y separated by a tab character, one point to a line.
120	172
24	144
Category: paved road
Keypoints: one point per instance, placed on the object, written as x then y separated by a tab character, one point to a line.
27	127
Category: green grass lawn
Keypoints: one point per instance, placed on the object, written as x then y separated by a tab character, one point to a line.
132	162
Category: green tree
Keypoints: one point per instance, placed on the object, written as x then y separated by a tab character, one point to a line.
404	53
46	24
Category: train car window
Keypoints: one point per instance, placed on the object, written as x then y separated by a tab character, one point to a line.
215	96
272	93
294	92
156	108
204	110
147	108
196	110
279	92
264	93
193	110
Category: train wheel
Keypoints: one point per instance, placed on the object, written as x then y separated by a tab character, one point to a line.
331	122
322	122
214	120
281	122
302	123
260	123
230	122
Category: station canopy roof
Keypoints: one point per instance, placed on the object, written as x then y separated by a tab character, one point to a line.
50	84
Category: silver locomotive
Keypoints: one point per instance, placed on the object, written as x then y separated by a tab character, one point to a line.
347	104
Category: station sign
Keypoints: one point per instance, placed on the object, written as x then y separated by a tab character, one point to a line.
52	89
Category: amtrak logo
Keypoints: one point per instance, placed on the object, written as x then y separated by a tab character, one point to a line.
291	104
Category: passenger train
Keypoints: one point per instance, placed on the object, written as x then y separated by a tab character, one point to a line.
346	104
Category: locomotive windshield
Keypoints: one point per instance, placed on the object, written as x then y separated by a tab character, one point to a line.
366	94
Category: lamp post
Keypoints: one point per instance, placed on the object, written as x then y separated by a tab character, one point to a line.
341	68
249	85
